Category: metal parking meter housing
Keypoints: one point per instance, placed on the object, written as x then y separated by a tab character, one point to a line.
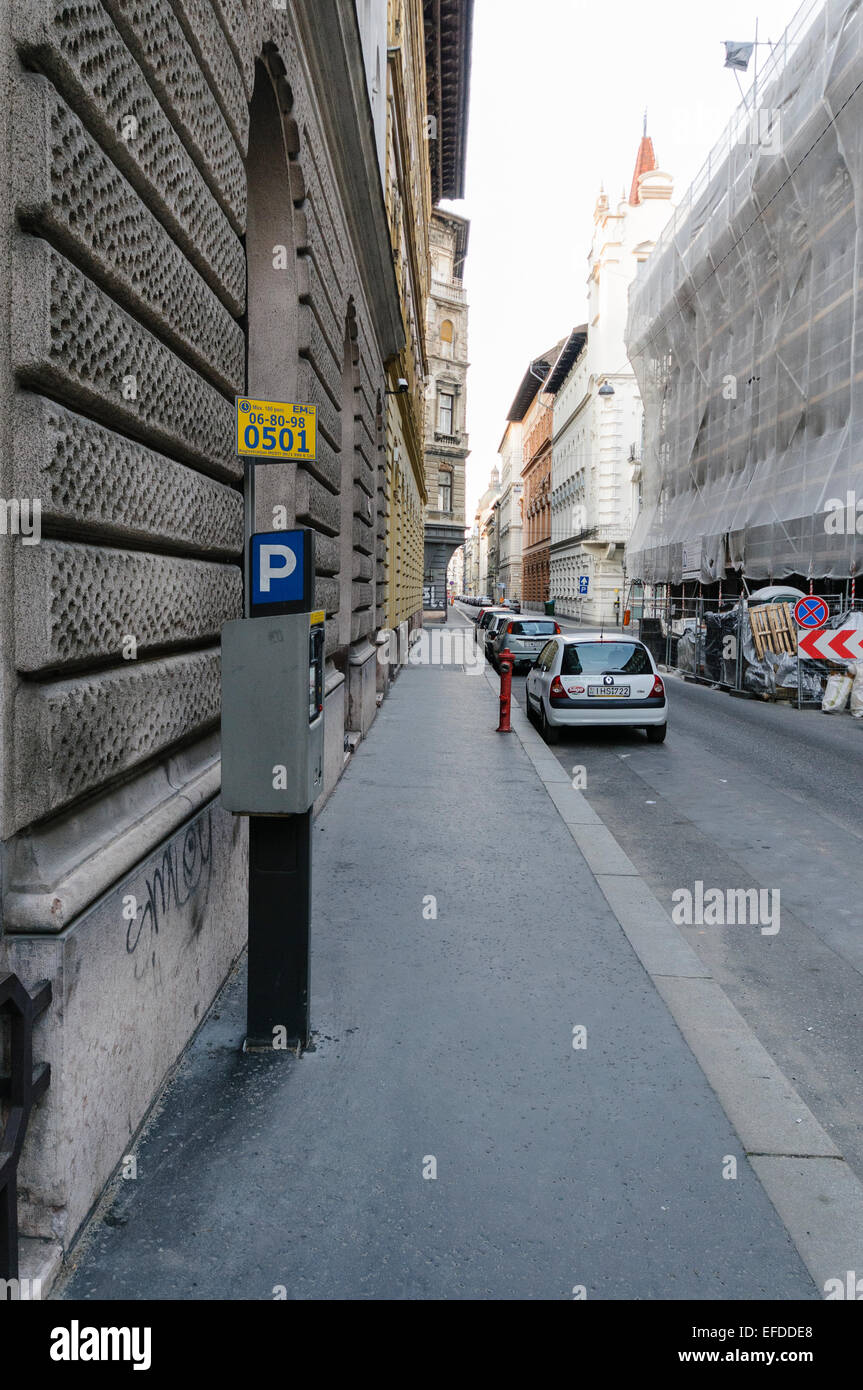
273	714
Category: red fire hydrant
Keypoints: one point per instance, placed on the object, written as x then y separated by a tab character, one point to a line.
505	664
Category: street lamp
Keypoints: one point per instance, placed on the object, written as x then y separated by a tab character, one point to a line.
606	389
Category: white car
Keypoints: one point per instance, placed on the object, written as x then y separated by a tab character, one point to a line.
596	678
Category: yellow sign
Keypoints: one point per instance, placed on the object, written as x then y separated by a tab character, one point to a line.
275	430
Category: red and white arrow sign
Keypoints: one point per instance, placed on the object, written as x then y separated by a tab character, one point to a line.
832	643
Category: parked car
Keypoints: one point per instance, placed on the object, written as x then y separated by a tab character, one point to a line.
492	628
525	637
594	678
484	617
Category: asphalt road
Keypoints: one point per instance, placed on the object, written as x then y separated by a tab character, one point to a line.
750	795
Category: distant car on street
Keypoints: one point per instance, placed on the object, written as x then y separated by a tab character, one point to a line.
512	604
596	678
524	636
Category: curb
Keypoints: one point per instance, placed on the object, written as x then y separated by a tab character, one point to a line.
814	1191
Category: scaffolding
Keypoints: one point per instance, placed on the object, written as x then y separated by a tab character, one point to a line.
723	636
742	332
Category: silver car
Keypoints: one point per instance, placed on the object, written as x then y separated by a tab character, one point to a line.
596	678
524	636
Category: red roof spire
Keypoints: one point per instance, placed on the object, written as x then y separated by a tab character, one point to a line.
644	163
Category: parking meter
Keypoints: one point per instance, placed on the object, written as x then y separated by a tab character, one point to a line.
273	714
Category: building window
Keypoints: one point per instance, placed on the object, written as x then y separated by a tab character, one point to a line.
445	413
444	491
446	338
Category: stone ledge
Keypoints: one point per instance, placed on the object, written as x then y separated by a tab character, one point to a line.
56	871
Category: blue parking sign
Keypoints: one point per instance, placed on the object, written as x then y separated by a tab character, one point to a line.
281	571
583	581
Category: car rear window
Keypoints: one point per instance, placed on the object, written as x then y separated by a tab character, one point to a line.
598	658
526	628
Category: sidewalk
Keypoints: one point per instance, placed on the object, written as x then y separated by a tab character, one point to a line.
447	1038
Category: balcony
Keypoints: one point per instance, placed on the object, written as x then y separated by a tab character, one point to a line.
451	441
453	290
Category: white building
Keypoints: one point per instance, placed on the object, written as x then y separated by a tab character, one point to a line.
446	404
482	531
510	513
596	441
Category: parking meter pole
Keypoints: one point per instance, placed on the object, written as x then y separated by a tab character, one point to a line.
280	913
506	660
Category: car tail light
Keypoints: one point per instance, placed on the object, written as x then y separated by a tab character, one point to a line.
556	690
557	629
658	688
509	627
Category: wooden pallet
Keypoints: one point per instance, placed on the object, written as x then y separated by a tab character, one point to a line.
773	629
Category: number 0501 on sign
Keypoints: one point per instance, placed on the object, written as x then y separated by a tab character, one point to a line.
275	429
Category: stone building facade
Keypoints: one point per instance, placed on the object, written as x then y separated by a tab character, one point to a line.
471	561
598	414
408	196
511	512
512	457
484	535
194	207
446	404
536	478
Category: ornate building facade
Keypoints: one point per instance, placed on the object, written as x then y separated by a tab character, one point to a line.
446	403
596	444
536	477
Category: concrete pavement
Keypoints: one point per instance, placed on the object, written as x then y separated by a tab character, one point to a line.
445	1139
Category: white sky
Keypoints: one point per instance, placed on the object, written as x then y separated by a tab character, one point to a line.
558	94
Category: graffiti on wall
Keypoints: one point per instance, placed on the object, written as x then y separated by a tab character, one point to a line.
184	867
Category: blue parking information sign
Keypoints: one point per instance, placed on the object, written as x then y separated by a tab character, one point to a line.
583	581
281	569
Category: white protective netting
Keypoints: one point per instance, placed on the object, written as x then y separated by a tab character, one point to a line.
743	330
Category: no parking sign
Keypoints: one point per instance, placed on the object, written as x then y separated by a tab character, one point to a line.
811	612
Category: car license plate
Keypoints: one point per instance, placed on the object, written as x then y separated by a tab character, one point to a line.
621	691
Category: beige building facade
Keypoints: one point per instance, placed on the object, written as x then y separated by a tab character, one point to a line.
446	403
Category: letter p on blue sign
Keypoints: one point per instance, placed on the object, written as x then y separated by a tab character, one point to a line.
281	572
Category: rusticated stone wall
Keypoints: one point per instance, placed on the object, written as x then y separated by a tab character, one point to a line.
129	133
130	142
